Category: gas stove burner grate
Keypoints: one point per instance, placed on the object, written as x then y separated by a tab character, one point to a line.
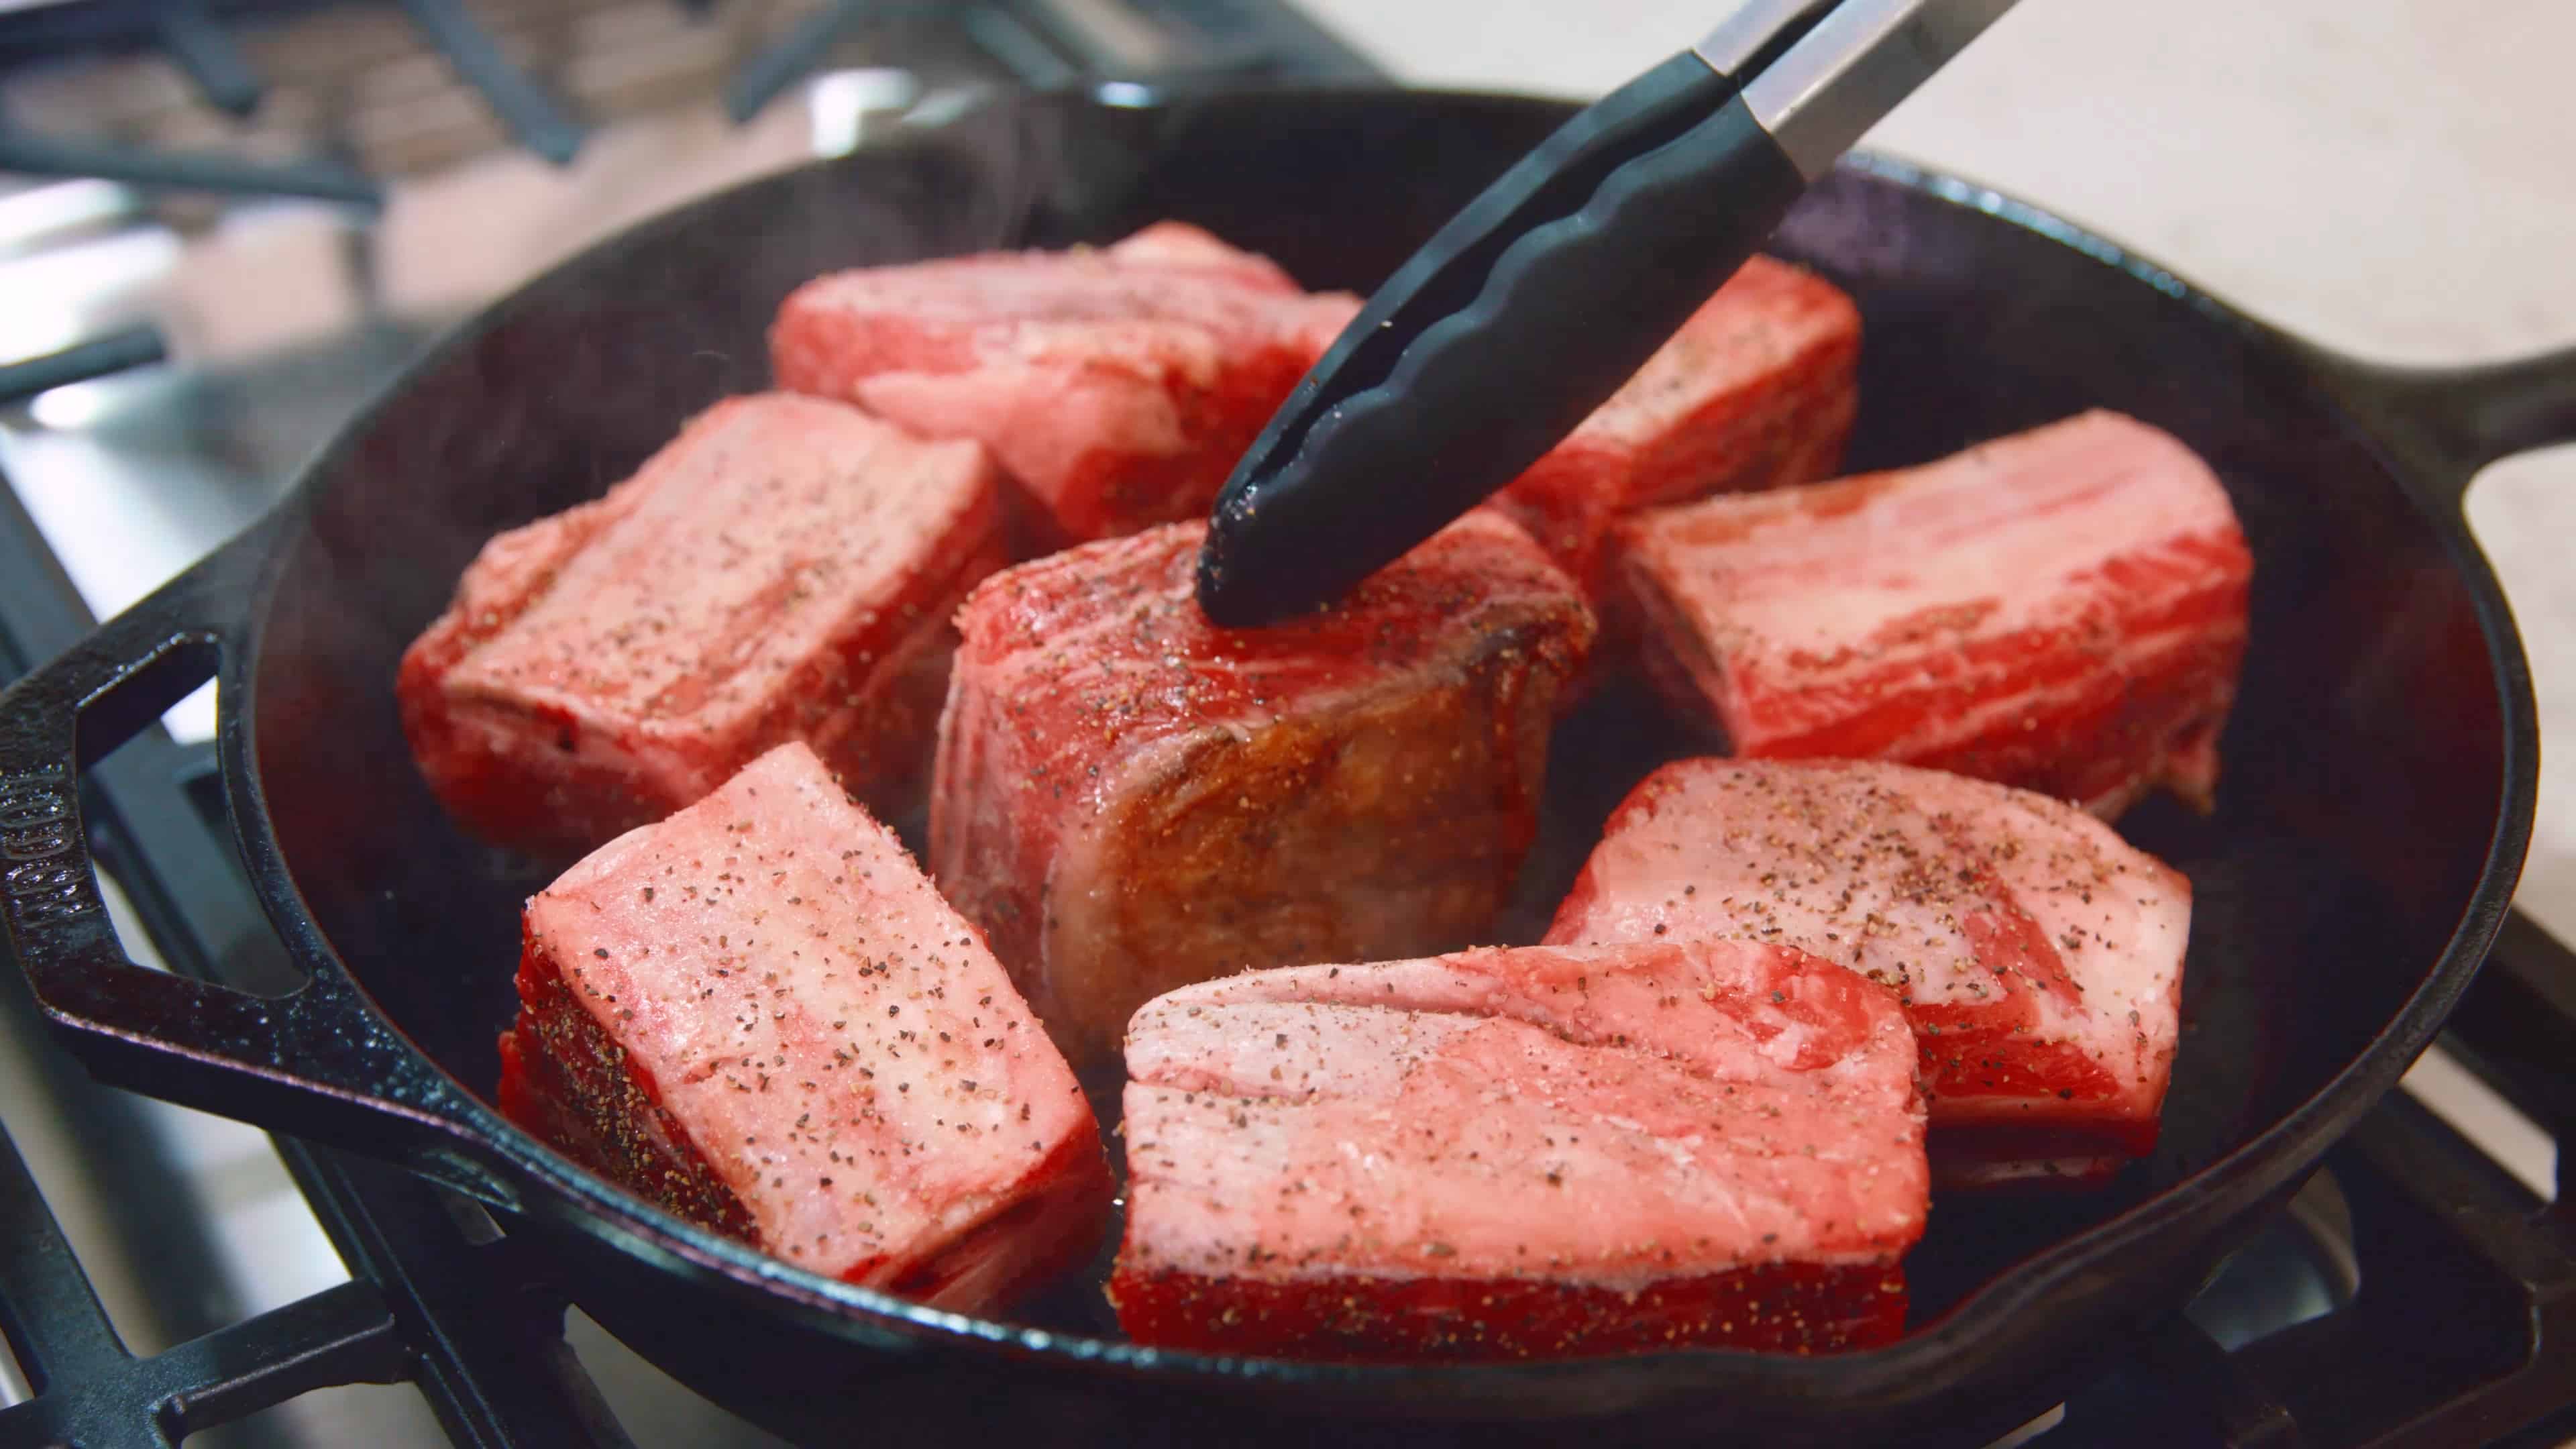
2414	1292
1038	42
90	1391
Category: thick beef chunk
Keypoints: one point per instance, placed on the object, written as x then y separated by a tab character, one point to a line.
1758	389
2063	610
2038	955
784	570
759	1015
1129	798
1522	1153
1117	385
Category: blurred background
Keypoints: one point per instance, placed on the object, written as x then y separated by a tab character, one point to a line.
224	225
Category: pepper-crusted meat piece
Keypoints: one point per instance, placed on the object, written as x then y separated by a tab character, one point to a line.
1757	390
2063	610
1128	798
1118	385
2039	956
760	1015
1522	1153
783	569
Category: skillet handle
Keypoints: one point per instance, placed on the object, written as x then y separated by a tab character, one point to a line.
316	1062
2448	423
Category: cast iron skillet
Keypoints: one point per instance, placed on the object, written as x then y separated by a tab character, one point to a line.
2380	767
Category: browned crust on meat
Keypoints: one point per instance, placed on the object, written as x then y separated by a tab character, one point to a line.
1391	829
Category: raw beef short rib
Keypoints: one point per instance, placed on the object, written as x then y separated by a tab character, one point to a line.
2039	956
1117	385
1758	389
784	569
2063	610
1522	1153
1129	799
759	1015
1180	245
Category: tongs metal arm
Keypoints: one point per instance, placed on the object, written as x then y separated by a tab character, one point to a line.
1848	67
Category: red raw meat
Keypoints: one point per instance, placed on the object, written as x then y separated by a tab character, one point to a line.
759	1015
1758	389
1129	799
1522	1153
1118	386
1179	244
2063	610
2039	956
784	569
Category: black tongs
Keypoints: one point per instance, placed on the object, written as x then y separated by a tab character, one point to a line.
1553	287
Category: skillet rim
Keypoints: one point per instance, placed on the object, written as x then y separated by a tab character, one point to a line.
1926	1359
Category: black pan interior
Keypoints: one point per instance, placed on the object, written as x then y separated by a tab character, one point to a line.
2363	765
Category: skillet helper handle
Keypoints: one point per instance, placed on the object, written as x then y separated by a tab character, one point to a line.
2448	423
1520	317
315	1062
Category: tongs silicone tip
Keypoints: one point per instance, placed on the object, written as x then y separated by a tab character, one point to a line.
1551	288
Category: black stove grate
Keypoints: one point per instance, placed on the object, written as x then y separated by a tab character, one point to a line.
1222	39
91	1392
2445	1309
